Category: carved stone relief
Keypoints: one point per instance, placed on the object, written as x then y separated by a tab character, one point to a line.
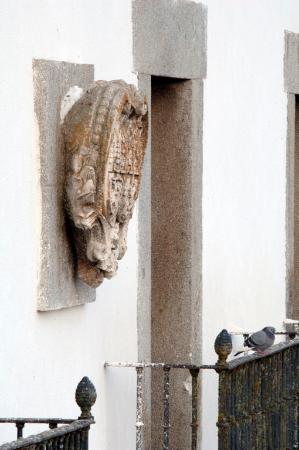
105	135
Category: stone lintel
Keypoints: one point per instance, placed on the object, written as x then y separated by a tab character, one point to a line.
291	62
169	38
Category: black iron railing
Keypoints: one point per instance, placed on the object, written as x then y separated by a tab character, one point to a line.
72	435
259	398
20	422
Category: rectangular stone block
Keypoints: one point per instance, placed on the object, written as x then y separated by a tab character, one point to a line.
169	38
58	286
291	62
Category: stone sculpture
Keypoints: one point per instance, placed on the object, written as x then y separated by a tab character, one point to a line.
105	135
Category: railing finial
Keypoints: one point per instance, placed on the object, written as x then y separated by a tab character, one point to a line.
223	347
86	396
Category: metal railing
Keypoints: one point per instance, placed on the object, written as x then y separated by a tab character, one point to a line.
73	435
258	397
167	368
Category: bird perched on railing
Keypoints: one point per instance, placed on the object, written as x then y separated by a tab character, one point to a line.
259	341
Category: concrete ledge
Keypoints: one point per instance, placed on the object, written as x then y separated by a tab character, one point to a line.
58	286
169	38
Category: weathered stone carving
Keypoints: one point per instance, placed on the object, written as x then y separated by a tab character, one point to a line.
105	135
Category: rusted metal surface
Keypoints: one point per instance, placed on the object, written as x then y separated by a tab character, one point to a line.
139	409
159	365
258	400
73	435
20	422
223	347
247	333
167	368
166	414
86	396
278	348
258	397
194	423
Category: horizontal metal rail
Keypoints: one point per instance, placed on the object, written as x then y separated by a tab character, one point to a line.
277	348
159	365
54	436
247	333
20	422
35	420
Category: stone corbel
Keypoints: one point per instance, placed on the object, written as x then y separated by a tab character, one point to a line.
104	134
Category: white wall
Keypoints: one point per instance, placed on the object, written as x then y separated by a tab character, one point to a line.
245	124
44	355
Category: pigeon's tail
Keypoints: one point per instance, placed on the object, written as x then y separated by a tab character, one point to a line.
241	350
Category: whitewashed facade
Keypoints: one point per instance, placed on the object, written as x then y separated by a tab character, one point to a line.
244	206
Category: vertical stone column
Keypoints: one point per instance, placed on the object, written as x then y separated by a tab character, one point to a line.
291	81
176	248
169	41
144	267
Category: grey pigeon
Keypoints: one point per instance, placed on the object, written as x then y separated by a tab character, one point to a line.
259	341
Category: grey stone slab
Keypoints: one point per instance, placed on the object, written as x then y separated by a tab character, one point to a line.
144	240
169	38
290	197
292	209
144	266
176	246
58	286
291	62
291	80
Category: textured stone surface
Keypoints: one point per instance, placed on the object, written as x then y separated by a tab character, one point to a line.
290	207
58	285
144	266
169	38
176	246
105	135
293	210
291	80
291	62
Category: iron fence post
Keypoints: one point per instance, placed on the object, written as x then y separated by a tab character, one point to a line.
166	419
194	423
20	426
139	409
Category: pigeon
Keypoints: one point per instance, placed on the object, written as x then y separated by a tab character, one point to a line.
259	341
